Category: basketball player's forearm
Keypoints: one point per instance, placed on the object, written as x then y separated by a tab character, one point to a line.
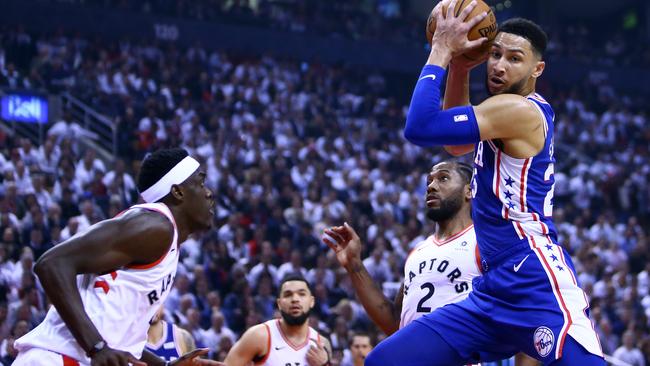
59	282
457	88
428	125
457	94
380	309
440	56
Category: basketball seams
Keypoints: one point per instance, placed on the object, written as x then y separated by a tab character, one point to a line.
460	8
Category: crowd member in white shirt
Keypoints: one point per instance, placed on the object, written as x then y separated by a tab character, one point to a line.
628	352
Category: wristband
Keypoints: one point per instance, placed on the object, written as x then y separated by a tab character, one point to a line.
96	348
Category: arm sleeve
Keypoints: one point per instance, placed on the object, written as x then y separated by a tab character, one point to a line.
427	125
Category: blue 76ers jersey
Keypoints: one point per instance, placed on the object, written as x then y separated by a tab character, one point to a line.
513	198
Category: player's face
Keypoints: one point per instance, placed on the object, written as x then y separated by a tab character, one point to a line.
446	192
295	302
512	65
199	200
360	347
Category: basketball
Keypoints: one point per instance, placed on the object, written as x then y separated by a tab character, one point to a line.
486	28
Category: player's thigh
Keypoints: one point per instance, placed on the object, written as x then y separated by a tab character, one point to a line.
414	345
41	357
575	354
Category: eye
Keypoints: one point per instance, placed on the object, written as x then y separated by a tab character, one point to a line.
515	59
495	54
444	178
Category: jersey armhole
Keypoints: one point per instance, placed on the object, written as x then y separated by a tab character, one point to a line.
541	113
268	347
156	262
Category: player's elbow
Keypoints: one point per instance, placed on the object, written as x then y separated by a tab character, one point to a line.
412	134
49	265
456	150
43	266
390	328
418	128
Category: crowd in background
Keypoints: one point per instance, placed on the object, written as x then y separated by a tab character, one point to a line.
291	148
394	21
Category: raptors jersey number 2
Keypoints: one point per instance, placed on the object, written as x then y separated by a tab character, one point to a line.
438	273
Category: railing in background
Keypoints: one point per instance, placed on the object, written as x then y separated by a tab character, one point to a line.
100	125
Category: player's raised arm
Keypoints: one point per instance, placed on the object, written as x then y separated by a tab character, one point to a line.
137	237
457	93
347	245
506	116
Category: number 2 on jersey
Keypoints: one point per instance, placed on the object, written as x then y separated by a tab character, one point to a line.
430	290
548	201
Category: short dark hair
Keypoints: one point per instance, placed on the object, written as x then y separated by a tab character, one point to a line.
157	164
362	334
464	170
529	30
293	277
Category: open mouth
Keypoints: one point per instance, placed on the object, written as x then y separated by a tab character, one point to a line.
496	81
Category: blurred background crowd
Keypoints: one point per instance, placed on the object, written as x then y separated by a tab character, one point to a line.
292	147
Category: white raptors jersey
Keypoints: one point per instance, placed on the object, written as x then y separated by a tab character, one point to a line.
281	351
439	273
120	304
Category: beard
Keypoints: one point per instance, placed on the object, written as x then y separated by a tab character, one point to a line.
295	320
515	88
448	208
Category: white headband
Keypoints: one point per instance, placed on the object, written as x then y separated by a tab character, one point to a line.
177	175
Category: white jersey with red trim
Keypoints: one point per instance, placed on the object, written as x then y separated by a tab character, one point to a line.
438	273
120	304
282	351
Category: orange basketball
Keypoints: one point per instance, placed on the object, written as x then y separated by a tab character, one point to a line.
486	28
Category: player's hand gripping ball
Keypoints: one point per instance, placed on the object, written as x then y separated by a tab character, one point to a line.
486	28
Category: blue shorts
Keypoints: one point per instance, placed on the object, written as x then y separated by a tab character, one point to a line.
527	300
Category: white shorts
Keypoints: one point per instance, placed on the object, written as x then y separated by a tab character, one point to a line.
42	357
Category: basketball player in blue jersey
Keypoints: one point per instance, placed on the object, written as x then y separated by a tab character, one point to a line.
166	340
438	271
528	298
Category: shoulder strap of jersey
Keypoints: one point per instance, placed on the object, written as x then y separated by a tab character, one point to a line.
261	360
164	210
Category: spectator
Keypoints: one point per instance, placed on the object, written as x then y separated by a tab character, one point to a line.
628	352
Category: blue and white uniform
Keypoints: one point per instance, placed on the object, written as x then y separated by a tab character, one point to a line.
168	347
528	298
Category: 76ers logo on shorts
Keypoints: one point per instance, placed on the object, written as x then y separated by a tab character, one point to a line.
543	341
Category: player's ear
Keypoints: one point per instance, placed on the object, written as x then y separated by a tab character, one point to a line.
468	192
177	192
312	302
539	69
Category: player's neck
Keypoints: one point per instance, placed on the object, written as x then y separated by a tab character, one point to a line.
182	223
529	88
295	333
155	332
453	226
